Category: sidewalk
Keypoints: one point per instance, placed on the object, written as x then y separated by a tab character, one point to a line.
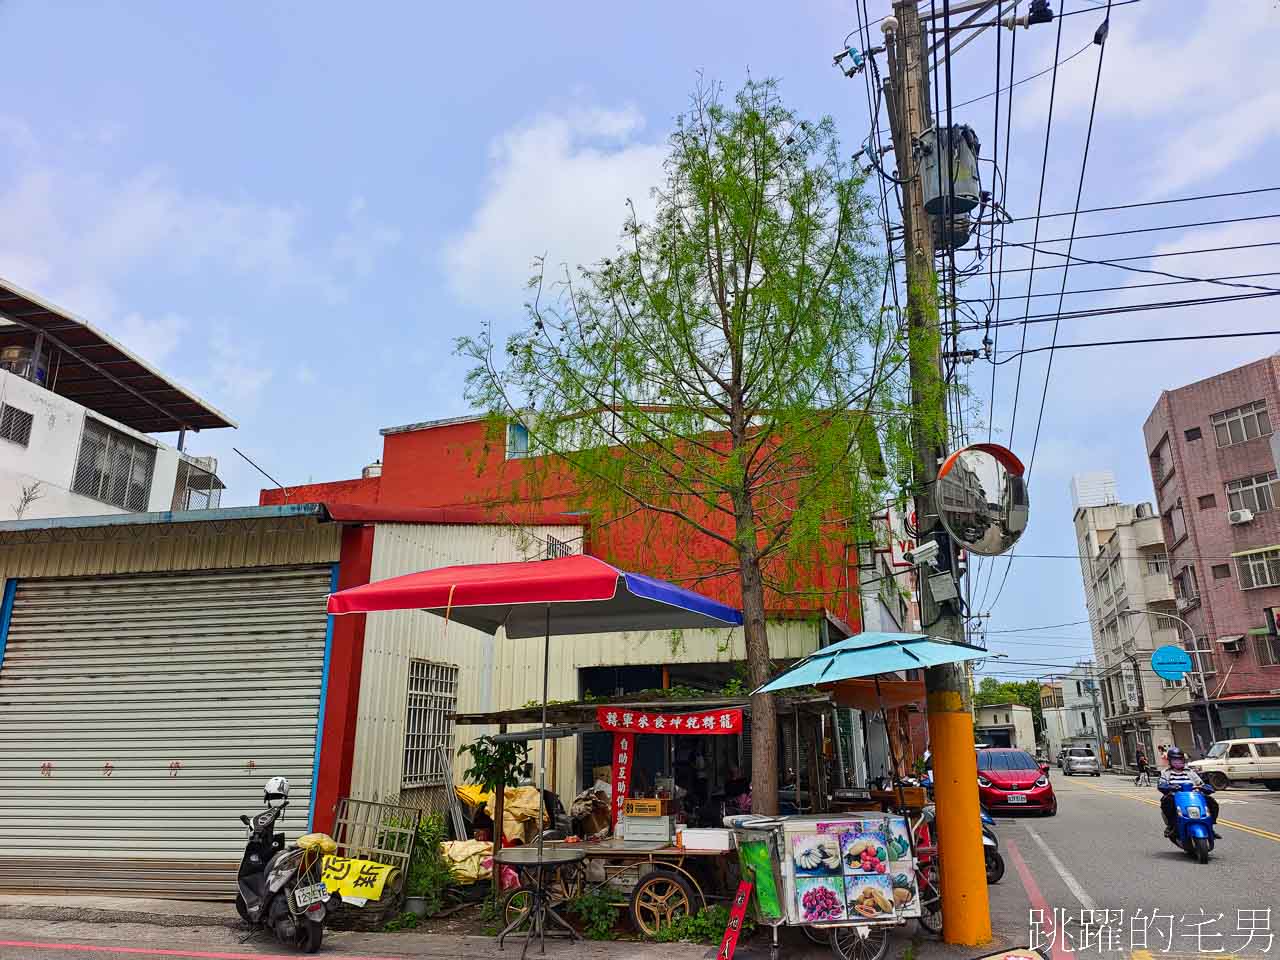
204	926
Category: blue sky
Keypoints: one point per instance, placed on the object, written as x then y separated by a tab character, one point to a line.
293	209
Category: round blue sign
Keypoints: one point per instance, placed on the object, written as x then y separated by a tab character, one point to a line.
1170	662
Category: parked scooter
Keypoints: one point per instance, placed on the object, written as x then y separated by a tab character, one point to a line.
991	848
1192	826
279	888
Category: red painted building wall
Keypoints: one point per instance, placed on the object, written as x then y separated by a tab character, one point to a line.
457	465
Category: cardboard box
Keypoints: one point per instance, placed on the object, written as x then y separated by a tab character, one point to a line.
707	838
646	807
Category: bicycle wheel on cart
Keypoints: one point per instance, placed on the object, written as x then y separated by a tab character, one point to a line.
860	942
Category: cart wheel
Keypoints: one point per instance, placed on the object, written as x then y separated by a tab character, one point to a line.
817	935
516	906
848	943
567	885
658	900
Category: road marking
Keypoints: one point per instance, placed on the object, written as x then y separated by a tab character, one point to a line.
1264	834
148	952
1072	883
1037	899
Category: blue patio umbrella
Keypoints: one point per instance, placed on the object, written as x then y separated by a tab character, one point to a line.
870	654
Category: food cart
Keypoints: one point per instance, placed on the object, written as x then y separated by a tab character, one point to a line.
851	876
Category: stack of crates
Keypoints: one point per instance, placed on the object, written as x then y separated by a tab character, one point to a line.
647	822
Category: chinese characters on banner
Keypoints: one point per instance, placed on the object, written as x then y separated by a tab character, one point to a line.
701	724
736	917
623	753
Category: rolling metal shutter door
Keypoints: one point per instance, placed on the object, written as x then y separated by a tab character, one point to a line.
141	715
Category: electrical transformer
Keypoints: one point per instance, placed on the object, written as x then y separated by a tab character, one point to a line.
960	144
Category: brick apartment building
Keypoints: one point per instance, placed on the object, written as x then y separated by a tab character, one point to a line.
1214	471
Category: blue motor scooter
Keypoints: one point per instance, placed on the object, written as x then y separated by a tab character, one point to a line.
1192	826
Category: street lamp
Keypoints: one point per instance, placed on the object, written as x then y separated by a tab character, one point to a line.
1195	658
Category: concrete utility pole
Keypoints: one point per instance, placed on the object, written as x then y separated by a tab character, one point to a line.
966	910
1103	752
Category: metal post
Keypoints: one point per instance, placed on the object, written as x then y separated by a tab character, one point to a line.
965	904
1195	662
542	763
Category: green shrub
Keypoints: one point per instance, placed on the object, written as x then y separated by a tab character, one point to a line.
706	926
597	912
428	874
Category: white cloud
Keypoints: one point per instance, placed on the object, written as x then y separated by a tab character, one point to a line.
152	339
1196	89
235	376
359	247
557	187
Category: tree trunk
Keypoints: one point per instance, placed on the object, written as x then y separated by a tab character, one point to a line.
764	713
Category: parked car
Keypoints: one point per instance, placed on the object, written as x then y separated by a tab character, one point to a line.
1080	760
1255	760
1062	753
1010	779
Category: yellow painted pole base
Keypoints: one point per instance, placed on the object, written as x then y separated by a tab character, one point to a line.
966	910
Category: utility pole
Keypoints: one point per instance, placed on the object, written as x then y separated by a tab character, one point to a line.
966	912
1097	717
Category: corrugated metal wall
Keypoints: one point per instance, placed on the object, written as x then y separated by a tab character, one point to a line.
148	548
519	668
393	637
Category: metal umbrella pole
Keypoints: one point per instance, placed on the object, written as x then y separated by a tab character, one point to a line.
542	762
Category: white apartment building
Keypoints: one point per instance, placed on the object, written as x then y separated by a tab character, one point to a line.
1094	489
77	411
1125	568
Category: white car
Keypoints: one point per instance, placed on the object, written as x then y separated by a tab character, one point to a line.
1255	760
1080	760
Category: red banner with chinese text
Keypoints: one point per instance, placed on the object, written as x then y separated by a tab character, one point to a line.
617	720
624	745
737	914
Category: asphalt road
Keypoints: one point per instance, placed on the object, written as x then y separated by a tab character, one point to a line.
1104	851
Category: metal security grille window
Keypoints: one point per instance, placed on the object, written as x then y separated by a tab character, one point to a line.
1268	651
113	467
1260	569
1202	653
557	548
196	488
1252	493
1241	423
1158	563
15	425
428	726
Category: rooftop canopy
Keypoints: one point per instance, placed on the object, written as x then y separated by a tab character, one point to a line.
86	366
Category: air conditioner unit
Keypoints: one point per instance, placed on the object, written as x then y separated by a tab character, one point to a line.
1239	516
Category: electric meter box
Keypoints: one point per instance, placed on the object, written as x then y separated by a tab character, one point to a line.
960	144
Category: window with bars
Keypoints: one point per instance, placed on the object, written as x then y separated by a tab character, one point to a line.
1185	585
428	726
196	487
1158	563
114	467
1268	651
15	425
1260	569
1241	423
1252	493
1201	654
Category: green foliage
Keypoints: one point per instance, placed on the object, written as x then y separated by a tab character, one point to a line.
706	926
496	765
1026	692
597	912
730	366
428	875
406	921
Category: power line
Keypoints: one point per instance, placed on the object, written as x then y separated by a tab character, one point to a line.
1120	343
1130	286
1129	308
1047	626
1152	203
1168	226
1084	164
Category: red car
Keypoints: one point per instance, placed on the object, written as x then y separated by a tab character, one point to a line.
1010	779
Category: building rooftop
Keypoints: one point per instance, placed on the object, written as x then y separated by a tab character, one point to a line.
88	367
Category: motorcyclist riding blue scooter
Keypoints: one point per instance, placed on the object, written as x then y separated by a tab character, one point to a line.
1175	776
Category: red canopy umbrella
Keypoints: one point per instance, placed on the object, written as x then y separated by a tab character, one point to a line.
564	596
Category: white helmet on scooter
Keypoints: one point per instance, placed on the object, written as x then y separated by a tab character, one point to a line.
277	789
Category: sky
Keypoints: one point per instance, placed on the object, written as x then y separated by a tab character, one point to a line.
293	209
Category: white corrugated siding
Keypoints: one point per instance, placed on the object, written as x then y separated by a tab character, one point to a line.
519	668
393	637
140	715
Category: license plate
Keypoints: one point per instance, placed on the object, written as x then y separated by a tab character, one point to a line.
1017	798
305	896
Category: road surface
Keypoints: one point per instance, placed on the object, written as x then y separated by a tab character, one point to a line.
1103	851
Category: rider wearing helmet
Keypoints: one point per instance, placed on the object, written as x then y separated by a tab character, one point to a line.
1173	777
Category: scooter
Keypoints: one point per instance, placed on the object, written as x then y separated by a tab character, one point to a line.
279	888
991	848
1192	826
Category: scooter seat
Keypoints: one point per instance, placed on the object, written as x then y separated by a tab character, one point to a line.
320	842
